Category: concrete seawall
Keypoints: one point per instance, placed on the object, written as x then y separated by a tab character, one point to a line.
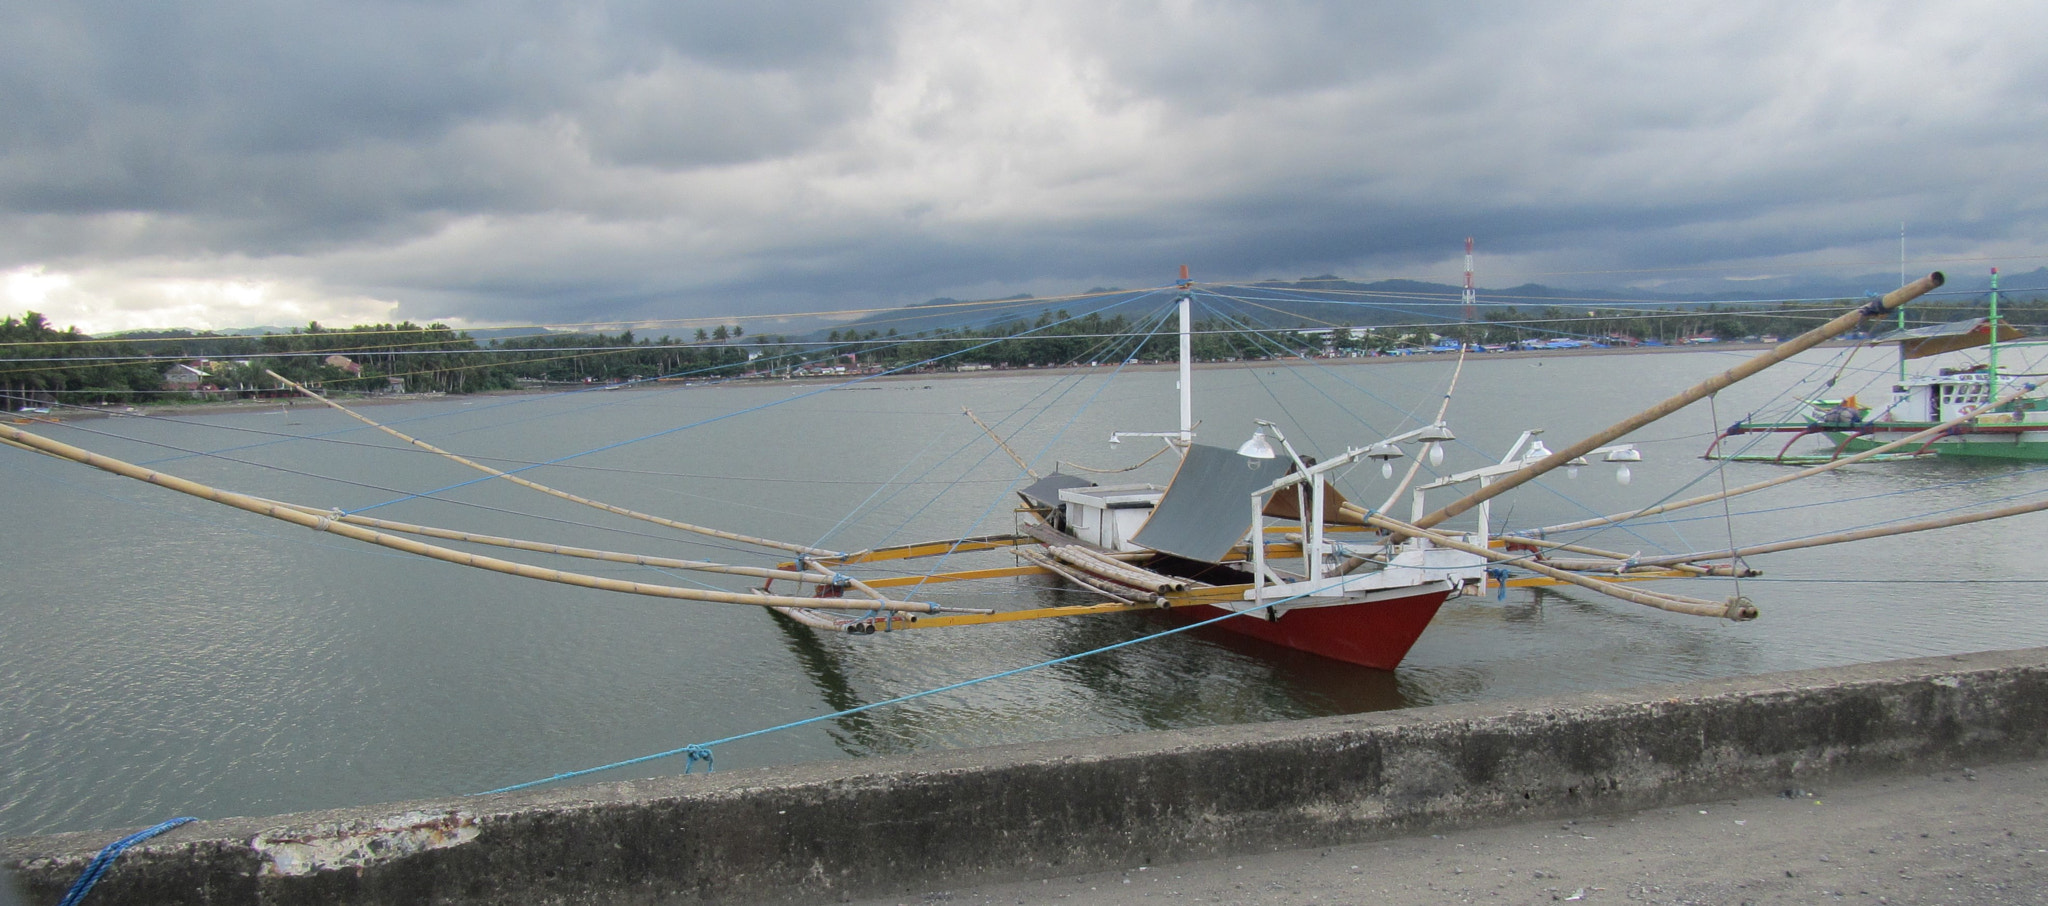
823	832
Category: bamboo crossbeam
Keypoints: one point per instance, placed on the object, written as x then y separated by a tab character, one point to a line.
1116	571
1641	575
552	492
923	549
1602	565
1687	397
1118	593
992	435
1732	609
807	617
1616	556
1920	437
1019	616
543	547
965	575
298	516
1597	553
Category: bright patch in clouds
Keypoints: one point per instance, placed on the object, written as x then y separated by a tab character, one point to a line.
101	302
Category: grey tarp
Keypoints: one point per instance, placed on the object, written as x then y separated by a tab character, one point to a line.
1207	509
1046	491
1935	339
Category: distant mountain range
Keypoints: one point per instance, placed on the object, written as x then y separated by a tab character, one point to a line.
1330	300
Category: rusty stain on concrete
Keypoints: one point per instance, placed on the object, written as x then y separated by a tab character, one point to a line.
288	852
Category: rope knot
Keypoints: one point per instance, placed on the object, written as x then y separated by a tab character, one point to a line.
1499	575
697	754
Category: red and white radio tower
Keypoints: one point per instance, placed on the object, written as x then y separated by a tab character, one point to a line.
1471	301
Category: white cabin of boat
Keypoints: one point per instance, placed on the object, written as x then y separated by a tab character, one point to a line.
1950	392
1109	516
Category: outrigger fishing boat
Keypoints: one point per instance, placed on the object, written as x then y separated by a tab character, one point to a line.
1253	535
1968	411
1363	586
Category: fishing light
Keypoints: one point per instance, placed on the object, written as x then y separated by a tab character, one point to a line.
1386	453
1259	447
1435	436
1623	456
1571	466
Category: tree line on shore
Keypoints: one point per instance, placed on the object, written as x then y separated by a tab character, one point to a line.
42	365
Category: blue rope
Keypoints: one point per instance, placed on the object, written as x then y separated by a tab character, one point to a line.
105	859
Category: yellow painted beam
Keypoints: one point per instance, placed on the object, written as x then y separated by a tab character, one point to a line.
1546	581
927	549
965	575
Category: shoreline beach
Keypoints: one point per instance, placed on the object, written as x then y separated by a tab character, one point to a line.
211	407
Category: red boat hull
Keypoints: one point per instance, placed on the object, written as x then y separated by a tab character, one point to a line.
1373	634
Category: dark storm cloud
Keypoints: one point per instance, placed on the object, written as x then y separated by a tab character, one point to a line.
290	123
623	161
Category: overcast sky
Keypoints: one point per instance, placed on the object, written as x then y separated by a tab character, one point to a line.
216	164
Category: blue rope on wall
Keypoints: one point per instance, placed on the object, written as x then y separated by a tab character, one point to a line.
101	862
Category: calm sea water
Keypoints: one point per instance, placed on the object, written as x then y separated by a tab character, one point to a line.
164	656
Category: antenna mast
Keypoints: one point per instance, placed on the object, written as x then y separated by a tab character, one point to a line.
1471	302
1187	374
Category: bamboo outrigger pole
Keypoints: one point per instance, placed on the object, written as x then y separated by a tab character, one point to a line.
1358	512
565	495
1694	394
992	435
1737	608
332	525
543	547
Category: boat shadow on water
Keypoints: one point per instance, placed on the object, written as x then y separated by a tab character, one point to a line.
1209	675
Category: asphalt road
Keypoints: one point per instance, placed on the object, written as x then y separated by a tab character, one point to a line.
1960	837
